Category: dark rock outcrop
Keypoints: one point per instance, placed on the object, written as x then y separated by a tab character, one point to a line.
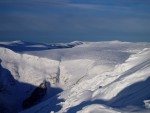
36	96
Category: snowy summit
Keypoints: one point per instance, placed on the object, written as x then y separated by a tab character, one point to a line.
83	77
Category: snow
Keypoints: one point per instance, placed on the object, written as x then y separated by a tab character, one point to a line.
84	77
97	109
147	103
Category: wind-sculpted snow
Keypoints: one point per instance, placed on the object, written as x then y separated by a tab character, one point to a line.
28	68
84	77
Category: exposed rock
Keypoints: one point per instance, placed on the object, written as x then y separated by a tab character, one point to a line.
36	96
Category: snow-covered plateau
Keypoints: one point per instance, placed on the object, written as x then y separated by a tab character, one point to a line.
76	77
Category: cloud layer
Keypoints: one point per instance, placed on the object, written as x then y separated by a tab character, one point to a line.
67	20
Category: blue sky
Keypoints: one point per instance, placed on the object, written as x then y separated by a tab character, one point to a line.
69	20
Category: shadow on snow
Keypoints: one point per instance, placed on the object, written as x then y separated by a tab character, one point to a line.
16	96
133	95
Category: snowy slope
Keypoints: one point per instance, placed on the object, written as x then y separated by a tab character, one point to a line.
84	77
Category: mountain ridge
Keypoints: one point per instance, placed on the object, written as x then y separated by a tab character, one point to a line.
90	74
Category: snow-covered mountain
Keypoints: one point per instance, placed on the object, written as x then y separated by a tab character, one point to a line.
83	77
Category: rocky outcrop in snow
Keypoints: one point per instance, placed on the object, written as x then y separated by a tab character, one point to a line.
36	96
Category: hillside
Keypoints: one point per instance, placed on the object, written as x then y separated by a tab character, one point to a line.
83	77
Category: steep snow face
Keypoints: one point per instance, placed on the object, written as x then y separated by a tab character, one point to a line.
27	72
94	77
28	68
134	70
